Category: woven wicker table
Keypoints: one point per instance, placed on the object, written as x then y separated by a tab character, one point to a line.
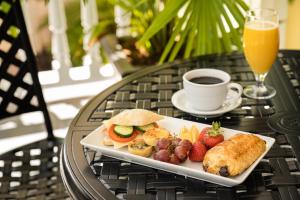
88	175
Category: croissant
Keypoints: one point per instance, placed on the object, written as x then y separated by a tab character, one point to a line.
233	156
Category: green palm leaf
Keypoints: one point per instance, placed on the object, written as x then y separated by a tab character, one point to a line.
163	18
205	27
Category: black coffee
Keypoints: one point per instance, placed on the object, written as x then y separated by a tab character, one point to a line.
206	80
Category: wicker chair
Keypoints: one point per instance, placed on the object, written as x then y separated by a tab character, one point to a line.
31	171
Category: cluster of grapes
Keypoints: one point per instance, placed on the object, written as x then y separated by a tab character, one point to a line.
172	150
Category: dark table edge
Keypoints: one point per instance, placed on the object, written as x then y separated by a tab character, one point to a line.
71	181
63	175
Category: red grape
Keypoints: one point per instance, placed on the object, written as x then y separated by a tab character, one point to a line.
162	155
181	152
175	141
173	150
186	143
163	143
174	159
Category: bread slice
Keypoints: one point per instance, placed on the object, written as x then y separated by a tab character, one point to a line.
133	117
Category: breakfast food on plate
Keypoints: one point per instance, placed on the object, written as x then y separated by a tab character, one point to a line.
128	125
172	150
197	152
186	143
107	141
152	135
211	136
139	147
138	129
134	117
122	134
234	155
189	134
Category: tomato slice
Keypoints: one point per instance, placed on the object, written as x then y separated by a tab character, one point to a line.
117	138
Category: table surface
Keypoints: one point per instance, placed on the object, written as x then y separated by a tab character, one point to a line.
88	175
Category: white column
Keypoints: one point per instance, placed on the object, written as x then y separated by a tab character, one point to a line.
122	19
28	23
59	42
89	18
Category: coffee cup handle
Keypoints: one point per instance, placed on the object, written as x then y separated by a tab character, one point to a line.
238	87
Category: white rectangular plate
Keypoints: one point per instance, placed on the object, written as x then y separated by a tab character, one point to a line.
187	168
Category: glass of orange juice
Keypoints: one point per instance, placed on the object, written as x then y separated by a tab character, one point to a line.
260	42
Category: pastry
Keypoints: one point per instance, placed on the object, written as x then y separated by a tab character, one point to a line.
139	147
233	156
151	136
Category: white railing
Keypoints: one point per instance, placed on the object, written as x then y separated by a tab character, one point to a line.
59	42
66	88
89	18
63	73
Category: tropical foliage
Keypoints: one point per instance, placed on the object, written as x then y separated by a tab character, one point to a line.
199	27
142	14
163	30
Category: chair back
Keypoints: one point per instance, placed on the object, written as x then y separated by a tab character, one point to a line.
20	89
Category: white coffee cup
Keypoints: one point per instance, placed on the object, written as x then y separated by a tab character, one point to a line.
207	97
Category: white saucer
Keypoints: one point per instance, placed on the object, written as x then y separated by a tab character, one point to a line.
179	101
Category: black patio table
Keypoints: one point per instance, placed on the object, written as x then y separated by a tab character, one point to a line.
88	175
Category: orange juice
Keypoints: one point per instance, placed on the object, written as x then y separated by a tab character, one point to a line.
261	41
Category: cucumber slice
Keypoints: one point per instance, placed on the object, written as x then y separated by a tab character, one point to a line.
145	128
123	131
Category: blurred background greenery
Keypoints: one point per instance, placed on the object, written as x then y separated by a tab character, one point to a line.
164	30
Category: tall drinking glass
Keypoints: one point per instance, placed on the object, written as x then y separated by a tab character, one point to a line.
260	42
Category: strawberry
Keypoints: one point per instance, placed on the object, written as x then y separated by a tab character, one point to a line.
211	136
197	152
